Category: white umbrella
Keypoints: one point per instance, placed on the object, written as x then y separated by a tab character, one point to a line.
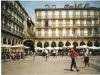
43	49
6	46
49	48
83	46
20	46
78	47
94	47
60	48
37	48
57	47
71	46
26	47
64	47
16	46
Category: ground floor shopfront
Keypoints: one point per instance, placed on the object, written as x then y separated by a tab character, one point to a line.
65	42
11	39
59	42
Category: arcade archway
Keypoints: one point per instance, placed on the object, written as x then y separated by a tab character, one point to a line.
30	44
67	43
39	44
9	41
53	44
82	43
46	44
96	43
89	43
4	40
13	42
75	44
60	44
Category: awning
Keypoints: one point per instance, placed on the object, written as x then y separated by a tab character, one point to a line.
6	46
20	46
94	47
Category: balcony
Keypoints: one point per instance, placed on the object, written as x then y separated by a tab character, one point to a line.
93	16
11	30
30	32
67	26
54	17
11	17
15	9
68	37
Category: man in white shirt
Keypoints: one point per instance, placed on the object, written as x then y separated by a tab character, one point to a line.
46	52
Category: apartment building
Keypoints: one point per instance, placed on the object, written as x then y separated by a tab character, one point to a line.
14	23
72	25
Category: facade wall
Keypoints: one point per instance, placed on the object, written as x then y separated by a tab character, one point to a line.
67	25
68	22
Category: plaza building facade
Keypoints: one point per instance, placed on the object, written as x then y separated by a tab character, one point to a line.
72	25
14	23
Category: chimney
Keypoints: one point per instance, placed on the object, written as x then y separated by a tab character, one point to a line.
75	5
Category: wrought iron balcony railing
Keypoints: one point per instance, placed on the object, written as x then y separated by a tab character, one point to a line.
68	17
15	9
68	26
11	17
68	36
11	30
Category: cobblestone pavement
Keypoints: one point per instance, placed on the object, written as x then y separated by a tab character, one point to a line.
54	66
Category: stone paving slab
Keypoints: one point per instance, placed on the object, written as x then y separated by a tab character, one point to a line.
54	66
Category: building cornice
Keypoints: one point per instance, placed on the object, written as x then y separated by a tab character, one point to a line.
45	9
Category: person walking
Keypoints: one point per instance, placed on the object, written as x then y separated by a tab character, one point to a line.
54	53
73	57
86	57
46	54
34	54
4	57
49	53
91	54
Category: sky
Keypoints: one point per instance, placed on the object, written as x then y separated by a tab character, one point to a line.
29	6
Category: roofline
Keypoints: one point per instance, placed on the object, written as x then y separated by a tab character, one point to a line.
41	9
22	7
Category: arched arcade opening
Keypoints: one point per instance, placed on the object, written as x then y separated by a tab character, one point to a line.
30	44
96	43
39	44
67	43
89	43
82	43
46	44
53	44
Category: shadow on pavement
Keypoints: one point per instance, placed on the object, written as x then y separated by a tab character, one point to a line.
80	67
95	67
67	69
